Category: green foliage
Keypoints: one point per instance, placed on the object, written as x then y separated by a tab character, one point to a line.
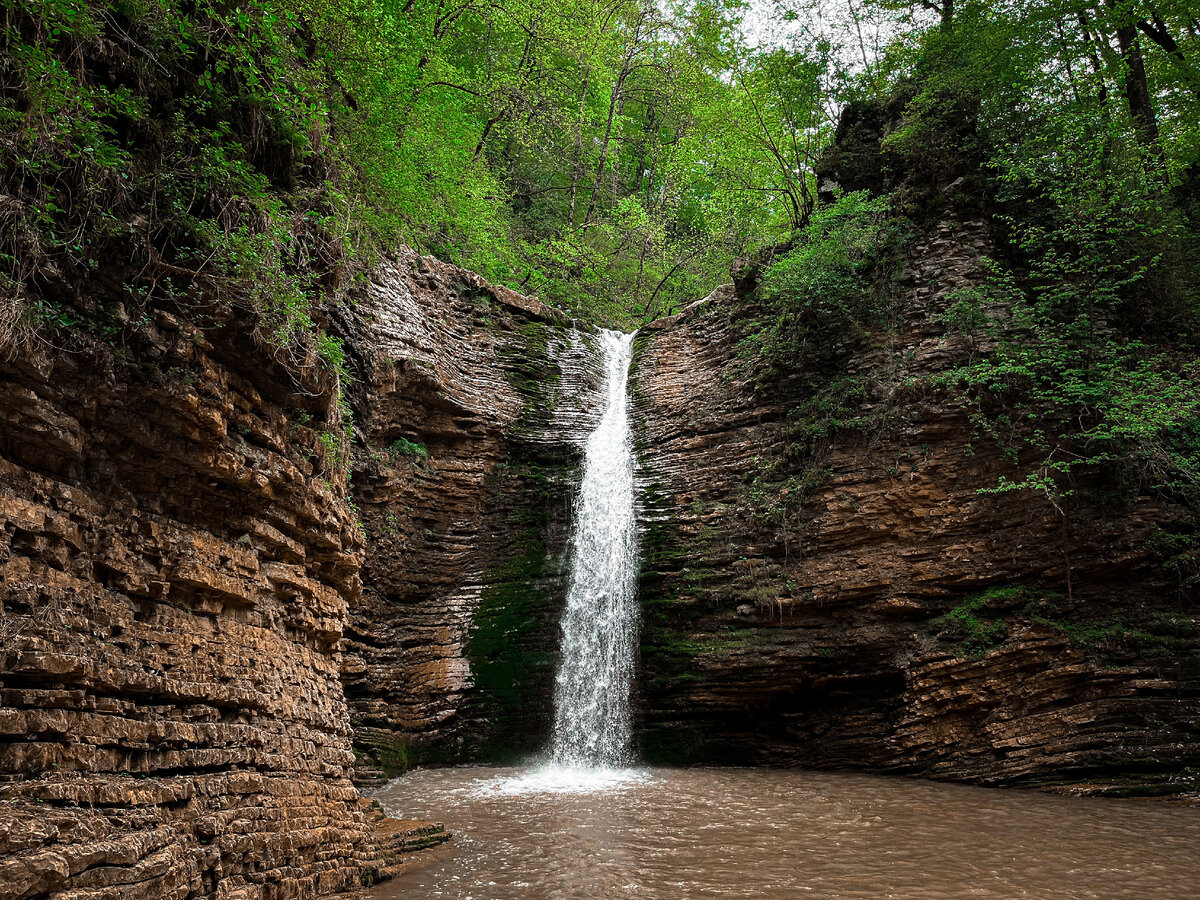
404	448
817	301
1092	302
984	621
750	159
1177	548
192	176
1123	637
246	162
964	313
265	153
829	290
1064	405
978	624
782	484
836	407
1094	368
553	149
834	252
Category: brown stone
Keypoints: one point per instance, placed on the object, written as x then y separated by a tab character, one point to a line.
844	664
177	562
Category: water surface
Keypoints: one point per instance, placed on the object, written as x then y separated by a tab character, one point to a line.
696	833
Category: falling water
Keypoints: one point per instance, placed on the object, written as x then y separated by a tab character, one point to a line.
599	627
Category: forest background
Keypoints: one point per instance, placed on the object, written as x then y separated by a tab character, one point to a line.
615	158
612	157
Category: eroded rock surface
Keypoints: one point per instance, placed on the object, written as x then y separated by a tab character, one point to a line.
182	556
177	560
865	605
472	404
183	568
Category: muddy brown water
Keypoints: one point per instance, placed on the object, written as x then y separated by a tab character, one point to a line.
697	833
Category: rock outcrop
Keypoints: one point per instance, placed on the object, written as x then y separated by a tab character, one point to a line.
182	556
864	605
472	403
187	574
177	562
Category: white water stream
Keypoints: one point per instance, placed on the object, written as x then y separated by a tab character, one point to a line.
592	725
591	744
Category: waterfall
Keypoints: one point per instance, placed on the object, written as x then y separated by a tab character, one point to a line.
592	721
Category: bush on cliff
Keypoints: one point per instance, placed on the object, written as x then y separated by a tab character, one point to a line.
162	157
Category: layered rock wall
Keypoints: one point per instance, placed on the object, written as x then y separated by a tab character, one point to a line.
864	605
472	404
177	560
182	557
186	575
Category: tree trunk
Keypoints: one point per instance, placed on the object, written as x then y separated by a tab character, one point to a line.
1158	33
1097	66
577	162
487	130
1137	88
613	102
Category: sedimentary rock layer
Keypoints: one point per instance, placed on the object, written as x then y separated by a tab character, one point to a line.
180	559
182	567
471	403
177	558
864	605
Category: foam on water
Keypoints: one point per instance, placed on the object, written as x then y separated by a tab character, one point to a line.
558	779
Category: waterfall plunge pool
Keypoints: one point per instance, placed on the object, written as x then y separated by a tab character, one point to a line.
676	834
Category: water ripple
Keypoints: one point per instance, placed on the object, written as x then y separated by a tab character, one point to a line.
663	834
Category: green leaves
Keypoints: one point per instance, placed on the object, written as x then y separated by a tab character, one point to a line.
830	288
568	151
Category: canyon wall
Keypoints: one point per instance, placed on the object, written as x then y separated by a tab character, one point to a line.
177	562
472	403
183	571
187	573
863	604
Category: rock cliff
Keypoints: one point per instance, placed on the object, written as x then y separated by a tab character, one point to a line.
859	605
862	604
177	562
187	573
183	566
472	403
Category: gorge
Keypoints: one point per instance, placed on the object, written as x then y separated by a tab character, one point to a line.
750	650
317	547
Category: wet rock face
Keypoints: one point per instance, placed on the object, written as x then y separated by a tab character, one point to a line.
472	404
865	605
177	560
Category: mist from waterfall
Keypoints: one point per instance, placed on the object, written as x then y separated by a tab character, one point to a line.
592	720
